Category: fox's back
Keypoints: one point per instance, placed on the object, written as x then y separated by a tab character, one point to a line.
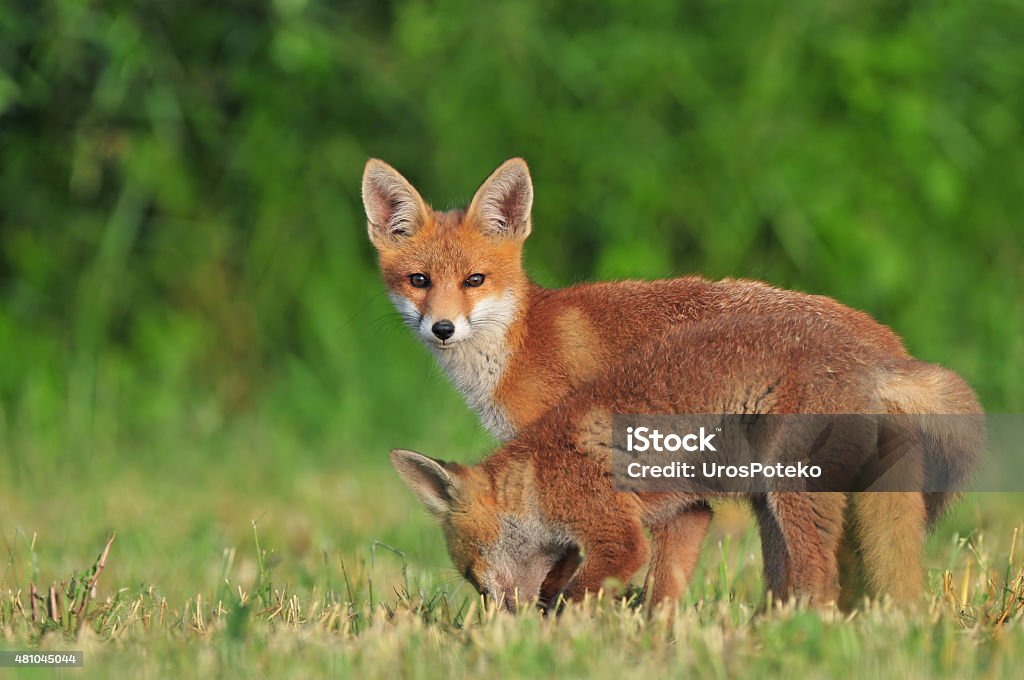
627	313
757	364
750	363
577	334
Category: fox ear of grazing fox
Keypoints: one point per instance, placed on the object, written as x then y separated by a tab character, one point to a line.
501	207
394	209
432	481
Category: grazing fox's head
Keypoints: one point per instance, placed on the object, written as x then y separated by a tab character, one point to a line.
451	275
501	547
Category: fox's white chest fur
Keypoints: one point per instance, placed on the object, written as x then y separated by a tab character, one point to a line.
475	367
478	360
477	364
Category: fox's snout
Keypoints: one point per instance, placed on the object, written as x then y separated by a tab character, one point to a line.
443	329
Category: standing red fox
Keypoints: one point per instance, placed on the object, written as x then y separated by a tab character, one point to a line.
516	523
515	349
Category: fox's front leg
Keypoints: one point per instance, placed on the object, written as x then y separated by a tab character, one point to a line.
617	553
677	545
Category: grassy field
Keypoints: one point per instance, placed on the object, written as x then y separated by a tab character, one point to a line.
197	355
225	570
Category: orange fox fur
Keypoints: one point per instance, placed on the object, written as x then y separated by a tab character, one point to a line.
516	522
516	349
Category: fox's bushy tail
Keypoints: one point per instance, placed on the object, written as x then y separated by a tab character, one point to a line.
936	413
950	426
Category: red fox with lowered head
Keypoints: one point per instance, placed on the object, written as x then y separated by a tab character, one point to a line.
515	349
516	523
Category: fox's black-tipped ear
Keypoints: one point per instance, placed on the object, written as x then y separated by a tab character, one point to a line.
394	209
503	203
429	479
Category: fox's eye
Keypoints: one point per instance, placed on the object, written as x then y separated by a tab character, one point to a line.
474	280
419	281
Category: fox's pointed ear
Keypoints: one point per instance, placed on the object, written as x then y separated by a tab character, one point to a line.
431	480
394	209
503	203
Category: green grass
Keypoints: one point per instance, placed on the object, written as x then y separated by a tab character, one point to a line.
195	338
220	569
350	576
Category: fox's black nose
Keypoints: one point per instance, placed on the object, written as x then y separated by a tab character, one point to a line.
443	329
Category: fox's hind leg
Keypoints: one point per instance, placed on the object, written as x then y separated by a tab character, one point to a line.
852	586
890	530
773	551
676	548
811	525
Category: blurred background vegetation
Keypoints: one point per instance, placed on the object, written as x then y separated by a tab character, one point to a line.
186	288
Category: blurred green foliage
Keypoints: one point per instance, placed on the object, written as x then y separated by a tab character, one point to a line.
182	244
